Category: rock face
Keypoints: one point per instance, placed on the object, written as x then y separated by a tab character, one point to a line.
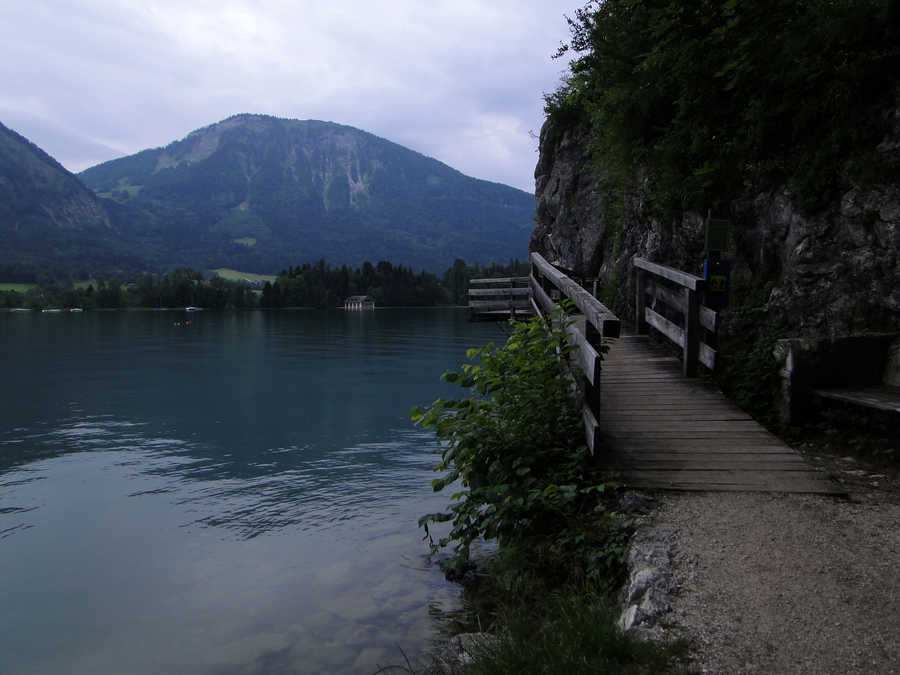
571	202
823	275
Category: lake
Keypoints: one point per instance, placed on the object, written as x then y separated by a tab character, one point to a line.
221	493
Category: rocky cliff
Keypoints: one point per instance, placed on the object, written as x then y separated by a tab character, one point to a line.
817	275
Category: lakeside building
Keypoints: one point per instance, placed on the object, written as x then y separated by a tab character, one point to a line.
359	302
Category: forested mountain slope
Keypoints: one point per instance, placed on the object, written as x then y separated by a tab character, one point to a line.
260	193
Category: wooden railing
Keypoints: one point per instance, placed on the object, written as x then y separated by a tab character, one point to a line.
508	295
593	323
679	293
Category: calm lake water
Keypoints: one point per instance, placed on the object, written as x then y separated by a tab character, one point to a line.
237	494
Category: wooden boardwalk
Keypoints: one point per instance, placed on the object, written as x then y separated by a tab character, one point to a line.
665	431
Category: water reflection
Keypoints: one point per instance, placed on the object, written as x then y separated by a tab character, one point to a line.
237	495
251	494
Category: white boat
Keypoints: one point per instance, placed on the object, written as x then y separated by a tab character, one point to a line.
76	309
51	311
191	308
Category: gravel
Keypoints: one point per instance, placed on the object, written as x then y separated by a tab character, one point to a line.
780	583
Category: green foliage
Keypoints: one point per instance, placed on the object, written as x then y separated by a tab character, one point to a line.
322	285
703	95
180	288
512	450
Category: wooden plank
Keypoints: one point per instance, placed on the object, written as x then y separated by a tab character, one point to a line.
673	299
664	326
880	397
492	292
707	356
499	280
708	318
591	429
691	332
588	357
743	456
612	412
677	449
600	317
766	481
654	386
648	426
695	400
752	464
542	301
640	325
681	278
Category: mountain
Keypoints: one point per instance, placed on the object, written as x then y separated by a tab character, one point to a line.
48	218
259	193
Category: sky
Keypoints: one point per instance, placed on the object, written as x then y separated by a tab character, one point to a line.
461	81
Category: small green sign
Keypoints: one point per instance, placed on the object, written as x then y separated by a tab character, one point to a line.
716	234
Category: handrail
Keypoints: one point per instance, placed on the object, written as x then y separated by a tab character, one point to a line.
681	278
656	281
586	332
598	314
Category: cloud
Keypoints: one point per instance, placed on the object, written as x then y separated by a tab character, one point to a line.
461	81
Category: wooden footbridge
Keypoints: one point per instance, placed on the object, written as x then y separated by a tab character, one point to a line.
645	413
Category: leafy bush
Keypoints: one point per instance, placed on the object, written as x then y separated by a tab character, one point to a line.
514	446
706	94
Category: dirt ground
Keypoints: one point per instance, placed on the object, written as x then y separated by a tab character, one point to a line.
776	583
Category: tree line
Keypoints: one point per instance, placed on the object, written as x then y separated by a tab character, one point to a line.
317	285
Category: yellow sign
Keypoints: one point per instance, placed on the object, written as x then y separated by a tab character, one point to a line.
718	283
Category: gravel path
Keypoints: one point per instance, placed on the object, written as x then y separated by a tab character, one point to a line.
766	583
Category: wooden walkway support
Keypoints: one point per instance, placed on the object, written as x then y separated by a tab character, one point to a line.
499	299
664	431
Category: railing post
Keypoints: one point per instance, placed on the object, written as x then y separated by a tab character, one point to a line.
691	331
640	303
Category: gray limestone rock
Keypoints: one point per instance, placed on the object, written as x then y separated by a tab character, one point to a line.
832	273
645	598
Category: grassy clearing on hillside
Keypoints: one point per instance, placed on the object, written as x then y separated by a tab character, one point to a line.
245	241
18	288
234	275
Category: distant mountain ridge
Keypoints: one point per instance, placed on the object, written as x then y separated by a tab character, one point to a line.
48	217
260	193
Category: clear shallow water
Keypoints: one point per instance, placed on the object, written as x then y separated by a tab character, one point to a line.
236	495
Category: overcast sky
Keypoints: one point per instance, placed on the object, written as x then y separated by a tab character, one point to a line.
460	80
